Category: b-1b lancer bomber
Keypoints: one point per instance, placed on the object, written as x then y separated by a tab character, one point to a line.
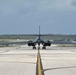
39	41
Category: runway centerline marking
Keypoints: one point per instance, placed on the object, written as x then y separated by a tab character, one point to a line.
39	67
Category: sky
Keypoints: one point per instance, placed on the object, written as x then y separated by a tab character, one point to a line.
25	16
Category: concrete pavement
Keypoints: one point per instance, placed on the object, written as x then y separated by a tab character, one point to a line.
22	60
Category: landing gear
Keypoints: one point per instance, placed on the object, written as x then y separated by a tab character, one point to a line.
34	47
38	47
43	47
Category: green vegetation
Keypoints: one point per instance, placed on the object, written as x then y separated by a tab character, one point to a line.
52	37
33	36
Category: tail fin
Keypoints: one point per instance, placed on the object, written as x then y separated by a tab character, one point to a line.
39	31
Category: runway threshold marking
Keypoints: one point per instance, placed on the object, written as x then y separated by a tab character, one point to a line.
39	67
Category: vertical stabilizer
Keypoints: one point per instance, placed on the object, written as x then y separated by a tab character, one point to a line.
39	32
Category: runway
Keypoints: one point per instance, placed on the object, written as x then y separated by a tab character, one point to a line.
22	60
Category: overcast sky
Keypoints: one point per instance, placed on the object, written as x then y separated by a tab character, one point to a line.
24	16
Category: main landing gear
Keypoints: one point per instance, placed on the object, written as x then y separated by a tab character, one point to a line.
43	47
34	47
39	47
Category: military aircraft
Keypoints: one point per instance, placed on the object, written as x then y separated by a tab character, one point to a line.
33	43
39	41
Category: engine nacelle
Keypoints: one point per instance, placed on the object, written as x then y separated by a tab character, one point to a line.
31	44
48	43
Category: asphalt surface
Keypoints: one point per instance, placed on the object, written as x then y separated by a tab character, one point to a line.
23	60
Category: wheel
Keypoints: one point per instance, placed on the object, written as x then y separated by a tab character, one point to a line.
44	47
38	47
34	47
